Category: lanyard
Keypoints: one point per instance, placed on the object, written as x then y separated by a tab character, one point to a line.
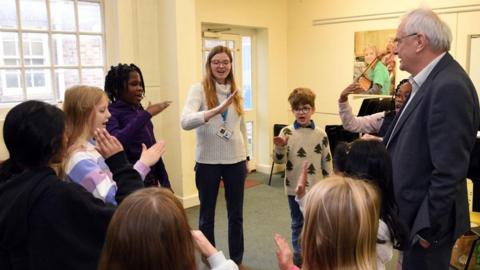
225	113
224	116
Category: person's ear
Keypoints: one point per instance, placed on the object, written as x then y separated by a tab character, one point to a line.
421	42
313	109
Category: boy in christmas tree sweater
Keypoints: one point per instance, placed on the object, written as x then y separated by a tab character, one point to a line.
297	143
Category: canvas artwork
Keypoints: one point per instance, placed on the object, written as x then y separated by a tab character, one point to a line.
375	60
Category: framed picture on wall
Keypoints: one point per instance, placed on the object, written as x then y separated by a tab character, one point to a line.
375	61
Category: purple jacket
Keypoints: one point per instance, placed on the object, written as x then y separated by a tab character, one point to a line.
132	127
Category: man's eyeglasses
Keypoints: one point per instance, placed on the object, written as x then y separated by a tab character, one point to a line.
399	39
302	110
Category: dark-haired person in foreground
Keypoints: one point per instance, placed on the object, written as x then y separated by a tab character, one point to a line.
46	223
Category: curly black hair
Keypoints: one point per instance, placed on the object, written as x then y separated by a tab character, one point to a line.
400	84
117	79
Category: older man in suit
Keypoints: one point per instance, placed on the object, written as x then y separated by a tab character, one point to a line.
430	141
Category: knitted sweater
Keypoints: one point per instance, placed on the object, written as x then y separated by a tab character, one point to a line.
303	144
210	148
87	168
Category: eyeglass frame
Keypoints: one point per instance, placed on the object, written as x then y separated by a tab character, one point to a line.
303	110
398	39
219	63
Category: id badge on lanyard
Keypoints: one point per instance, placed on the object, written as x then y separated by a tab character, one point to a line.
224	132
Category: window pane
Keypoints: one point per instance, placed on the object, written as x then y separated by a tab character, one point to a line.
65	49
39	85
65	78
91	50
210	43
231	44
34	14
10	86
249	127
9	44
8	14
62	14
89	17
35	49
93	76
247	72
12	79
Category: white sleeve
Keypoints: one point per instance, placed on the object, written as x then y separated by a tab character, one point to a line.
218	262
385	250
364	124
192	117
301	203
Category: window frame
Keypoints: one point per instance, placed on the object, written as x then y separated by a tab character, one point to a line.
55	95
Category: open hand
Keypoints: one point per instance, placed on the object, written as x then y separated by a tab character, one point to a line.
302	181
284	253
157	108
202	244
353	88
367	136
151	155
280	140
107	145
224	105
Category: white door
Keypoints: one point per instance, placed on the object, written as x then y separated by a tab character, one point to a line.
242	52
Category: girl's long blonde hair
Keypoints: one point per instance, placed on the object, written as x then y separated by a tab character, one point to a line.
209	81
79	105
341	224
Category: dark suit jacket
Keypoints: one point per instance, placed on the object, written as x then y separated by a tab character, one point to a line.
430	149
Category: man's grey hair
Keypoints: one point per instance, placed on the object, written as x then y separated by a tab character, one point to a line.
427	22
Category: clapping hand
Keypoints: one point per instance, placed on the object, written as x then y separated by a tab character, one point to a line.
107	145
302	181
157	108
202	244
280	140
224	105
284	253
151	155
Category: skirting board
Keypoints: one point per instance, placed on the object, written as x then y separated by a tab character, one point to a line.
189	201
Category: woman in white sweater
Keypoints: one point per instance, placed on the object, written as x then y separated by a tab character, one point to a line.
214	108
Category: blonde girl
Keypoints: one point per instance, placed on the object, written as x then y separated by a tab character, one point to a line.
86	110
340	228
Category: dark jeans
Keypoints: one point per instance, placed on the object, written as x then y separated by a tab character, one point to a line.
207	180
297	224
